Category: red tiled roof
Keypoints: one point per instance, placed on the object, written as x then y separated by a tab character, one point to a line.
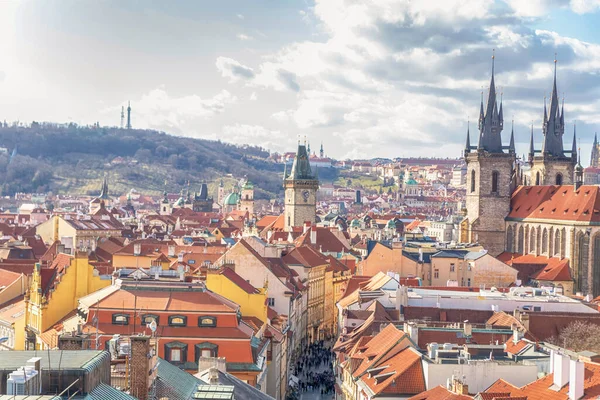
440	393
238	280
540	268
516	348
556	202
405	374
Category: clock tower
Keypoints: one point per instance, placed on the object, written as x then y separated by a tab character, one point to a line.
301	186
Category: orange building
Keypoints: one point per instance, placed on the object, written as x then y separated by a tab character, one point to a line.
193	325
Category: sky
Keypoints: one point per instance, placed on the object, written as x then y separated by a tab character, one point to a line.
378	78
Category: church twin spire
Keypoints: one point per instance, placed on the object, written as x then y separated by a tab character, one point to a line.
554	124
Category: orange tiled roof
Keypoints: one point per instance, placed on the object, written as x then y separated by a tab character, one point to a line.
440	393
404	374
541	268
516	348
556	202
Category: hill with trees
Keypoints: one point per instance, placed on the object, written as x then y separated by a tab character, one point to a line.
73	159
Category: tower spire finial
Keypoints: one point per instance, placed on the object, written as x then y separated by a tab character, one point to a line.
493	59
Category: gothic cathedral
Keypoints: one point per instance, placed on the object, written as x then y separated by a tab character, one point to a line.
301	187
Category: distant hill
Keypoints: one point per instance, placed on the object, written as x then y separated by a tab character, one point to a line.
72	159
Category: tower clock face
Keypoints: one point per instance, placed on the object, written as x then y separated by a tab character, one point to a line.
306	195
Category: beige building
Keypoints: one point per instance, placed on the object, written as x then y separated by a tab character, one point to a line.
469	268
79	234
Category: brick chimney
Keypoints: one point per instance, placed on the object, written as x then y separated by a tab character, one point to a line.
140	366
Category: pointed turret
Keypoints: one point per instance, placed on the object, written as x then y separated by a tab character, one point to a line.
574	146
321	151
531	149
481	114
468	144
594	156
578	173
511	146
104	190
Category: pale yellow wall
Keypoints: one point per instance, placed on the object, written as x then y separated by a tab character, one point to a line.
15	289
443	265
251	305
19	325
490	271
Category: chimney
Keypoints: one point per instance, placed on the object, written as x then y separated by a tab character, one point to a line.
576	376
213	376
171	251
140	366
516	335
305	227
525	320
560	370
137	249
313	236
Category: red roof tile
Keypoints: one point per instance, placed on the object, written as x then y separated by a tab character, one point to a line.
556	202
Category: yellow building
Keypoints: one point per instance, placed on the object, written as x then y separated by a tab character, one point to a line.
54	293
12	326
336	279
252	301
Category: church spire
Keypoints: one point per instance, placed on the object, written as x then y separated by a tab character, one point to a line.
491	122
531	150
574	146
511	146
468	144
553	125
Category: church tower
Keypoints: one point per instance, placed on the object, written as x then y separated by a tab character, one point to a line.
490	178
301	187
551	166
247	198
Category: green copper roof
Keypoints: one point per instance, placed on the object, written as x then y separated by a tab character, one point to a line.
231	199
301	166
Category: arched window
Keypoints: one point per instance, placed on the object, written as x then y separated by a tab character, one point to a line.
206	349
532	240
537	178
581	270
510	239
526	241
520	241
559	179
177	320
545	241
557	243
595	284
495	179
472	181
207	321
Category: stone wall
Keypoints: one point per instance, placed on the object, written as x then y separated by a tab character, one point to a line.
486	209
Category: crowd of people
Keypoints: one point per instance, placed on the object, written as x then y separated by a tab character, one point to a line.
314	369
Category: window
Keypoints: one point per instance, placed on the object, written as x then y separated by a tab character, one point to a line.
452	267
207	321
206	349
495	179
177	320
289	220
176	352
469	282
148	318
473	181
271	302
559	179
120	319
436	273
537	178
176	355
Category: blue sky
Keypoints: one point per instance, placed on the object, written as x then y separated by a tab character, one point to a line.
378	78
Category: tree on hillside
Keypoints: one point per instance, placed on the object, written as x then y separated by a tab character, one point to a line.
579	336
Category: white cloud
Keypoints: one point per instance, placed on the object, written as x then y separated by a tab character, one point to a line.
157	109
232	69
244	37
584	6
240	16
253	96
257	135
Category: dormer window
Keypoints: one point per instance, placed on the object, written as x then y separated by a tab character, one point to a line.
148	318
120	319
177	320
207	322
